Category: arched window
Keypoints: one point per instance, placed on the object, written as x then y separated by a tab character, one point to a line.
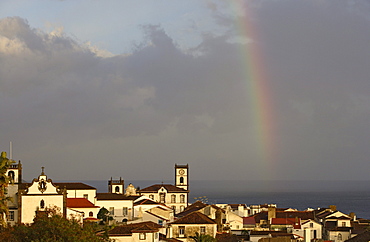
42	203
181	180
117	189
11	175
91	214
173	198
339	236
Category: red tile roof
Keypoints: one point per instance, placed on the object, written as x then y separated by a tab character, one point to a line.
114	196
80	203
128	229
287	221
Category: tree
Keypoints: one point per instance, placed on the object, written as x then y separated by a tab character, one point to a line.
4	181
50	225
203	238
103	214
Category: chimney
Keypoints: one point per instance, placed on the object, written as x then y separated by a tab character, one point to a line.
271	213
333	208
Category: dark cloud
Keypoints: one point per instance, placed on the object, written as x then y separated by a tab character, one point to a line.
86	116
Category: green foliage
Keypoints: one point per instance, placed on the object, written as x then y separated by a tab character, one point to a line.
4	181
51	226
203	238
103	214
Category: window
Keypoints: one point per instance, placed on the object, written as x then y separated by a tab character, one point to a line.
42	203
182	198
111	210
124	211
339	236
86	196
181	180
160	222
151	197
173	198
182	230
117	189
11	175
311	225
202	230
91	214
343	224
142	236
11	216
162	197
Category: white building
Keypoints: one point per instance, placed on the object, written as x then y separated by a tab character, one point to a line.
174	196
39	196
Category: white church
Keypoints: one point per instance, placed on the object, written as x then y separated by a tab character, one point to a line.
158	202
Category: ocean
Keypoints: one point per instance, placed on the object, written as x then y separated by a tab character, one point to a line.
348	196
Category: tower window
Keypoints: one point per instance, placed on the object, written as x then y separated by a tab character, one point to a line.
117	189
11	175
181	180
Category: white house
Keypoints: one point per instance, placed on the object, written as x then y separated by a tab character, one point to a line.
149	210
83	208
120	206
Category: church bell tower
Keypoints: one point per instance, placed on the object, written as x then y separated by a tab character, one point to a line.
182	176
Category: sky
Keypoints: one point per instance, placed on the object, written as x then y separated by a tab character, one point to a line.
238	89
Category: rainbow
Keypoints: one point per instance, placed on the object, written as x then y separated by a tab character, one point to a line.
258	88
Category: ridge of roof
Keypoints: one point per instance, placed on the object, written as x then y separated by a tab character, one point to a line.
194	218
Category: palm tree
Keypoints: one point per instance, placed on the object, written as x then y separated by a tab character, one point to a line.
202	238
4	181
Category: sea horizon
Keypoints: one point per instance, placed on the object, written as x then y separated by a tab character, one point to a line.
348	196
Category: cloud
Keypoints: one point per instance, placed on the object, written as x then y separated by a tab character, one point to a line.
68	104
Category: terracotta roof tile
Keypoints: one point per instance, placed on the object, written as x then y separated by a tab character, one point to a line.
128	229
194	218
113	196
80	203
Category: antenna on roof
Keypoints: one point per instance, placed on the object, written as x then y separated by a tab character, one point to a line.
10	151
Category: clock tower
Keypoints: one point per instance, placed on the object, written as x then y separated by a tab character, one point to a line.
182	176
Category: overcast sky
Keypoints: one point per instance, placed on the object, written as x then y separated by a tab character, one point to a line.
97	89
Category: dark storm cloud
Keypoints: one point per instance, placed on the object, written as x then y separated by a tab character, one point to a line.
67	106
